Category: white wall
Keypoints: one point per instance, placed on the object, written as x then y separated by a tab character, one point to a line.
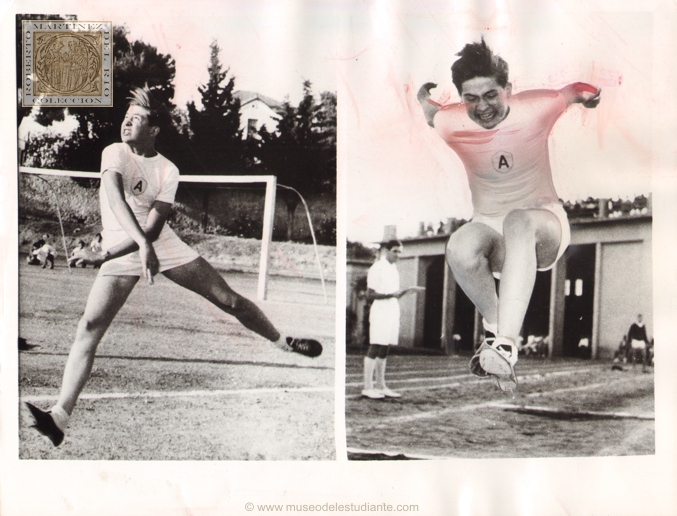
259	111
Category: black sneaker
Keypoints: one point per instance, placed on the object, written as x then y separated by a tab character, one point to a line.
44	423
308	347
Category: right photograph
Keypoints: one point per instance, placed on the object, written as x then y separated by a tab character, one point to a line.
499	227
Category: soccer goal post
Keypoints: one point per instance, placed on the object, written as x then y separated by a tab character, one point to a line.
268	209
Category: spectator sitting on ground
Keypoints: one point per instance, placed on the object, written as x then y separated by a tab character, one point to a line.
42	253
73	260
525	347
543	346
620	355
95	244
33	254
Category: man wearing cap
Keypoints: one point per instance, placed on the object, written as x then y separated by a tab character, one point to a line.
383	288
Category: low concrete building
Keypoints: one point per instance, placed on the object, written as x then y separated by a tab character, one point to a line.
594	292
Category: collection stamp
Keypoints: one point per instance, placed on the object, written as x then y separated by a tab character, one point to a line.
67	63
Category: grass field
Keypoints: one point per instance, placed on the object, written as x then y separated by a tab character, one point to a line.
563	408
175	378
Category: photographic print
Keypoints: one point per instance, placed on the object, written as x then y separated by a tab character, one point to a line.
501	142
338	256
177	239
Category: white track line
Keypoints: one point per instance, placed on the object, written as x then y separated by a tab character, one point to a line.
489	404
423	388
585	387
418	380
550	371
469	376
186	394
434	413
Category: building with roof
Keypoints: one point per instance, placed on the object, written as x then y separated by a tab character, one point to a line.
257	111
590	297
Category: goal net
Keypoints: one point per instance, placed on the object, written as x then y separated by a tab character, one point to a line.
242	206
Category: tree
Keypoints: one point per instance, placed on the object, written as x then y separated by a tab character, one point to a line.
216	137
326	128
44	116
135	65
302	152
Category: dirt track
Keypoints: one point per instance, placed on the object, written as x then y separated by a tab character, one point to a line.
446	412
177	379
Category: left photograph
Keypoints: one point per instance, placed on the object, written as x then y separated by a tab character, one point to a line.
177	234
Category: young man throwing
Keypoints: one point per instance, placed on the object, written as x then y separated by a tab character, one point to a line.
518	225
137	191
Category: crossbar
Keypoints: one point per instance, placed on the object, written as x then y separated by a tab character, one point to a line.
268	210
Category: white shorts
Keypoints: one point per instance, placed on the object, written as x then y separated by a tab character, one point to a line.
384	322
171	251
638	344
496	223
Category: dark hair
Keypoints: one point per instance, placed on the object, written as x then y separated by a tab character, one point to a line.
477	60
391	243
143	97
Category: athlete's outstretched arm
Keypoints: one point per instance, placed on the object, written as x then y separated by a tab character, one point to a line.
429	108
158	215
582	93
123	213
159	212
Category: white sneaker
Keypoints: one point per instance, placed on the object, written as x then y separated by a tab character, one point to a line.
499	357
389	394
498	360
374	394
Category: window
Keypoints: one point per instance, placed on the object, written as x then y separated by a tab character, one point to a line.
251	126
579	287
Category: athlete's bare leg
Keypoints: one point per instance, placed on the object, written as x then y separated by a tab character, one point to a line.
107	296
532	239
200	277
473	252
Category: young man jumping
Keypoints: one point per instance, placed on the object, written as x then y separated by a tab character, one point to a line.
137	191
518	224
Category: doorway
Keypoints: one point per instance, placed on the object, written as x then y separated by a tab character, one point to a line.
434	295
579	292
464	323
537	318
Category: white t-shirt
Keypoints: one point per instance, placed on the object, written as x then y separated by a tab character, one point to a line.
384	316
144	180
383	278
508	166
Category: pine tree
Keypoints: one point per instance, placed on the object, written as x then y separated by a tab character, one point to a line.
302	152
216	138
136	64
